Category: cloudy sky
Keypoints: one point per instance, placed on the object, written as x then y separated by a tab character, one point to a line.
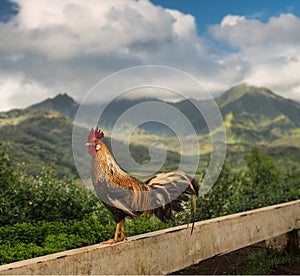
50	47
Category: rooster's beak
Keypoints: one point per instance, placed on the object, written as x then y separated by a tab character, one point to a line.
88	144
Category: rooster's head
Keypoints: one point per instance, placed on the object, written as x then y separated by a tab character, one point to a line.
93	141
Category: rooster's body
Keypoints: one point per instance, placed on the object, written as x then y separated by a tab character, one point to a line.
125	195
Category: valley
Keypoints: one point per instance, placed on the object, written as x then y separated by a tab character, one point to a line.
41	135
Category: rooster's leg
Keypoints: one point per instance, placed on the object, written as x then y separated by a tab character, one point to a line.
122	223
116	238
119	234
117	231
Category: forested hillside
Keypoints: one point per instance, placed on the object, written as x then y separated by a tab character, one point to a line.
41	135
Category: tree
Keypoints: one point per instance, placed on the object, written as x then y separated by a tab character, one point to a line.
260	183
217	201
261	168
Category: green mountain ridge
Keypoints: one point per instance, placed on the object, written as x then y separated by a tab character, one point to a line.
257	115
41	135
257	111
260	102
39	138
36	139
61	103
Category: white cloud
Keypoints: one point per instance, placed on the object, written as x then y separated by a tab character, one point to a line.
281	74
64	29
268	54
246	33
17	92
232	20
69	45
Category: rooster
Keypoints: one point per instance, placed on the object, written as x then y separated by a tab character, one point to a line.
125	195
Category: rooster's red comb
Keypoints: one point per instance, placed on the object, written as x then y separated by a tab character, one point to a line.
95	134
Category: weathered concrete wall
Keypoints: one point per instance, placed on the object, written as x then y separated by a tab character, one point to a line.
169	250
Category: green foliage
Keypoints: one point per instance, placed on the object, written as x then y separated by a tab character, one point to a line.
43	214
260	183
215	202
261	169
145	224
44	197
27	240
39	139
7	175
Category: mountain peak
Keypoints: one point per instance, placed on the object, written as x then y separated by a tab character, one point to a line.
62	103
63	97
258	110
245	90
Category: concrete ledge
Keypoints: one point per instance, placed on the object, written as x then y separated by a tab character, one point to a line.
168	250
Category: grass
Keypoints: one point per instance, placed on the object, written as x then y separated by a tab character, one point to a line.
253	260
265	262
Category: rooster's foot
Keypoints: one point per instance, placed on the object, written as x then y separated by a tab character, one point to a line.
112	241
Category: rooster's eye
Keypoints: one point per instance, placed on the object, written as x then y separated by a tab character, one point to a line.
98	147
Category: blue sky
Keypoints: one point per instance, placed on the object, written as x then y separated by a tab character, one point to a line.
49	47
7	10
211	12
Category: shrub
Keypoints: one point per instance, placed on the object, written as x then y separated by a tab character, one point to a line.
41	215
27	240
25	198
